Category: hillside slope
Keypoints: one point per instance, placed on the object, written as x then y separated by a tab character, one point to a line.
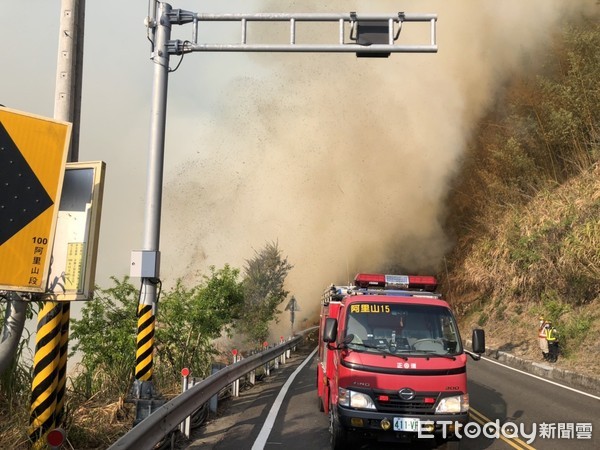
525	210
541	259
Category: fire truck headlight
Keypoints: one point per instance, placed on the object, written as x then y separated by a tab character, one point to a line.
454	404
352	399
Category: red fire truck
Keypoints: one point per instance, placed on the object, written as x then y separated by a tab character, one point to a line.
392	366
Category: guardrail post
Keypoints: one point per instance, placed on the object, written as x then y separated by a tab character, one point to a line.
237	382
283	355
268	363
235	386
252	374
214	400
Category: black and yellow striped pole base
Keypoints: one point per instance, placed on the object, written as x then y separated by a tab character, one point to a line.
45	372
143	391
145	343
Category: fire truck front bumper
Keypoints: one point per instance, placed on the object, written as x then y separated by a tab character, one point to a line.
397	427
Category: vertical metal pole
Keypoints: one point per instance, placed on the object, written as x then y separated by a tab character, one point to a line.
148	294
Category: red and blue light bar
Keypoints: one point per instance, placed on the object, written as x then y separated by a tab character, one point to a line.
423	282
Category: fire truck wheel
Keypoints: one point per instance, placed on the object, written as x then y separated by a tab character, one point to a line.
337	434
321	407
450	445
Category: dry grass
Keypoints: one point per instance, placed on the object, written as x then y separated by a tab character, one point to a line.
96	424
91	425
541	259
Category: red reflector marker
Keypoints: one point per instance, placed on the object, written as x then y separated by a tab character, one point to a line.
185	372
56	437
384	398
429	400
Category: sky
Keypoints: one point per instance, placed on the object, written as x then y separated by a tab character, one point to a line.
345	162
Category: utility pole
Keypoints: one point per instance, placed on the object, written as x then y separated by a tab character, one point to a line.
52	337
367	35
149	257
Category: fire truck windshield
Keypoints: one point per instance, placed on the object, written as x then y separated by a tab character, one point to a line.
402	328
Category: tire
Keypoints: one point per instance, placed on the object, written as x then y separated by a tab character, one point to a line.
450	445
321	407
338	436
199	416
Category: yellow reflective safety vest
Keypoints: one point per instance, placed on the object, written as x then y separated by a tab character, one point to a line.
551	334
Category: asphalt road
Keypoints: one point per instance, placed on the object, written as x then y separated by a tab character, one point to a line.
556	417
562	417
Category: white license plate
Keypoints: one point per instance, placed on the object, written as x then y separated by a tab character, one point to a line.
406	424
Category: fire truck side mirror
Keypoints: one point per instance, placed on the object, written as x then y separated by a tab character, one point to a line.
478	341
330	330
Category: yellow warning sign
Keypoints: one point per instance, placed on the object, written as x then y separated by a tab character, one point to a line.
33	152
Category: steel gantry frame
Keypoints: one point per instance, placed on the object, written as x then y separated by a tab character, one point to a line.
348	40
365	35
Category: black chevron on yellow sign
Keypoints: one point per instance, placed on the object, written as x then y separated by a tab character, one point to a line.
33	154
22	196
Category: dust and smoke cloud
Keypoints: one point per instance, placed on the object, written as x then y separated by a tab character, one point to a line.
345	162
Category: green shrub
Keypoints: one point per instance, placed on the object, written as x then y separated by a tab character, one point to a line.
574	332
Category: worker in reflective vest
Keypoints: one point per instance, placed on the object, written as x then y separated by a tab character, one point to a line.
552	338
542	338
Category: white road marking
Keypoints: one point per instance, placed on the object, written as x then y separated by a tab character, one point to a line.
261	440
542	379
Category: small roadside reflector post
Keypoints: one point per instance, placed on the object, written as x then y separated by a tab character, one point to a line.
267	364
282	357
185	426
185	373
235	387
56	438
252	377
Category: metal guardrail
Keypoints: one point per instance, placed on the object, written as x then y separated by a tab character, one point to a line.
167	418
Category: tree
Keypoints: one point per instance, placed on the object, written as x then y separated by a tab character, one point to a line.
264	278
190	319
